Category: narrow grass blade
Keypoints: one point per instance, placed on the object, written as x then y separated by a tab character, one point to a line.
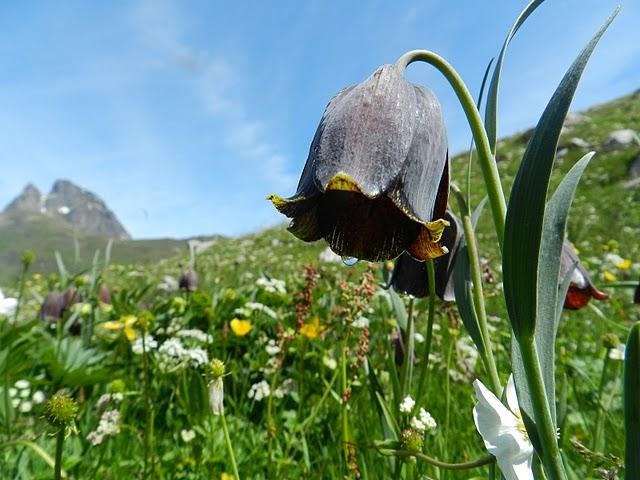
398	308
632	403
491	111
525	214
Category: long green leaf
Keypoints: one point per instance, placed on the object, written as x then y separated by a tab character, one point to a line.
550	287
491	111
525	214
632	403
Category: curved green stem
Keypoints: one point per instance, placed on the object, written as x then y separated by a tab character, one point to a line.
551	458
431	282
437	463
487	163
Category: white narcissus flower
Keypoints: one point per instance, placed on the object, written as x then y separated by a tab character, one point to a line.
503	431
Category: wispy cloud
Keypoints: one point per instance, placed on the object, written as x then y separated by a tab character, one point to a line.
217	82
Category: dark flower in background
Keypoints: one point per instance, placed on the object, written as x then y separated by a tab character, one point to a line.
376	180
53	307
70	298
188	281
410	276
581	288
104	294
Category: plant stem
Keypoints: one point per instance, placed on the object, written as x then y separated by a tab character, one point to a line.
407	364
57	469
345	417
478	294
489	459
551	458
487	162
148	433
227	440
431	282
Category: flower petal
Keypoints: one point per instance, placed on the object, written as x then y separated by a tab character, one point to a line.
512	397
516	470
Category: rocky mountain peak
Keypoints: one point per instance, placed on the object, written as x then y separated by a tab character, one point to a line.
28	201
72	204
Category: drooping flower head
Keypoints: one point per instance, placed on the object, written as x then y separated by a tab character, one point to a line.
188	281
53	307
581	288
410	276
376	180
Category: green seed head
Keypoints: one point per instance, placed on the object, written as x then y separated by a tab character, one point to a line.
412	440
27	258
61	410
116	386
215	369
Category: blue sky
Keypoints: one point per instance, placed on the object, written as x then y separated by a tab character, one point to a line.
183	115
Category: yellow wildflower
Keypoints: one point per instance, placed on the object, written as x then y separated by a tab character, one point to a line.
609	277
311	329
624	264
36	277
126	324
226	476
240	327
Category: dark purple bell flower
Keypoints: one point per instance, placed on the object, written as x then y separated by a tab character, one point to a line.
376	180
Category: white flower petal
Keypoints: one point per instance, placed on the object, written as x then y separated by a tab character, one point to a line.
502	432
512	398
516	471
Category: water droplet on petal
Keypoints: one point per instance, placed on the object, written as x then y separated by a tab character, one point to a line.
349	261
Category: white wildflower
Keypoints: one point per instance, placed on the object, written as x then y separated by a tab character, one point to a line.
150	343
108	426
329	362
418	337
26	407
25	393
407	404
169	284
272	285
13	392
197	356
259	307
424	421
272	348
21	384
361	322
259	390
187	435
7	305
503	431
38	397
196	334
617	353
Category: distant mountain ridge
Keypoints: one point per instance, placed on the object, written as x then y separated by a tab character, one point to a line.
67	204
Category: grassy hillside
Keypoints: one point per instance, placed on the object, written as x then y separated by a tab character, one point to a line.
44	236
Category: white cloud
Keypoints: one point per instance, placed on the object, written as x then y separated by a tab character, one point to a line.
218	84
